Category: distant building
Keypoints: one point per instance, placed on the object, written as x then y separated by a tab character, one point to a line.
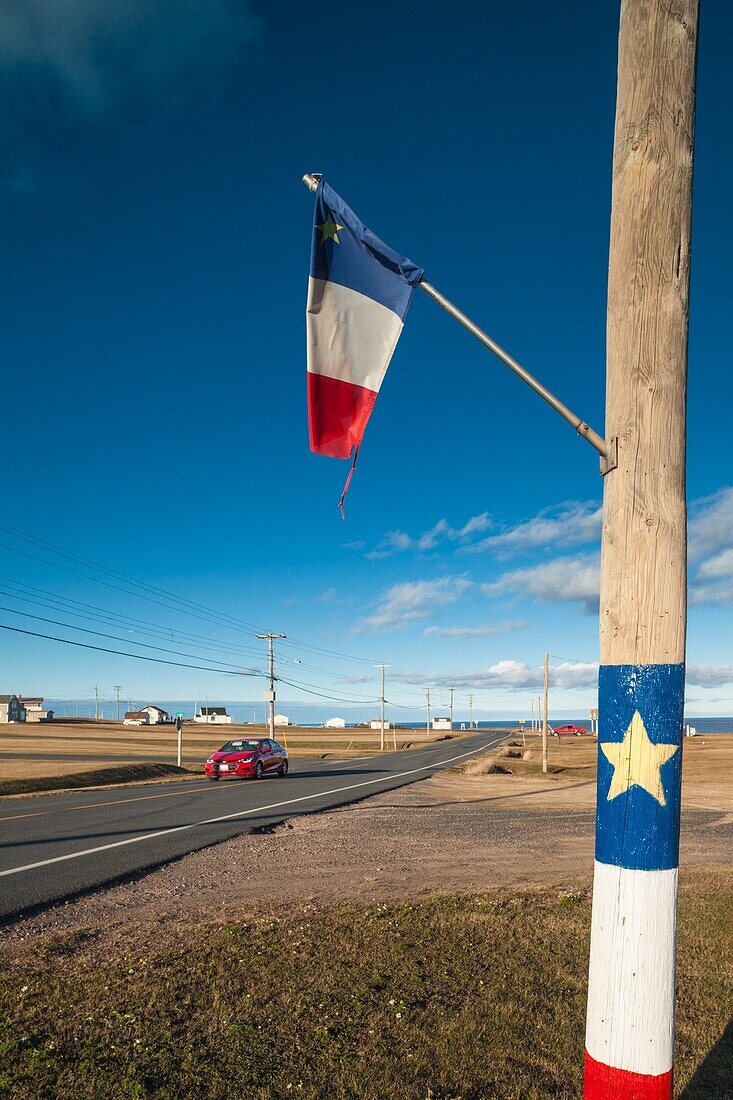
34	709
11	709
214	716
377	725
335	724
156	714
282	720
136	718
442	724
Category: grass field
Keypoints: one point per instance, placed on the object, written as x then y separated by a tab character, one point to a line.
463	998
80	746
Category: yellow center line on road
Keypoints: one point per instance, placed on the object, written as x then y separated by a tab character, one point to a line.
244	813
139	798
96	805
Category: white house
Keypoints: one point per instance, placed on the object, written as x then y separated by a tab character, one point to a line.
282	720
34	709
156	715
136	718
11	709
214	716
377	724
442	724
335	724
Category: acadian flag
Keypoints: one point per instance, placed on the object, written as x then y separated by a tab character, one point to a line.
359	292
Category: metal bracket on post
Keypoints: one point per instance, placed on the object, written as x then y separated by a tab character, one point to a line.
609	461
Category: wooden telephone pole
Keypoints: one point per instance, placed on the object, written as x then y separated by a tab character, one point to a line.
270	638
643	610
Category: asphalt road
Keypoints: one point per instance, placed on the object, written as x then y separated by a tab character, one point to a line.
53	847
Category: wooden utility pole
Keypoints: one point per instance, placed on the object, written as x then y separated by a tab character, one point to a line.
270	695
631	994
427	713
545	719
381	740
96	704
452	693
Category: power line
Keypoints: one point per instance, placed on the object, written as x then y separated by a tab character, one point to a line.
105	614
331	698
119	652
173	602
112	637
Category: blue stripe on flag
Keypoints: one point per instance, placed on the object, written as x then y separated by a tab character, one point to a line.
640	707
360	260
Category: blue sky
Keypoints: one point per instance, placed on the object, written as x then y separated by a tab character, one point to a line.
156	241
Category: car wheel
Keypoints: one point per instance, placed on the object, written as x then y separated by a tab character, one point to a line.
259	770
283	769
213	778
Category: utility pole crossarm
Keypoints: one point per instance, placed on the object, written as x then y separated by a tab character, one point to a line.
607	449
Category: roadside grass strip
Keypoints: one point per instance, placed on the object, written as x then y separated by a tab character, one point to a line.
473	998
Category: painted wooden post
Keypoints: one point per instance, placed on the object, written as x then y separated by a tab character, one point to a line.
631	993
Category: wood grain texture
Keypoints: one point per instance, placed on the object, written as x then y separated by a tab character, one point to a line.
644	551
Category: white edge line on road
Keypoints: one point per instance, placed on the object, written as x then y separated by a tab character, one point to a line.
240	813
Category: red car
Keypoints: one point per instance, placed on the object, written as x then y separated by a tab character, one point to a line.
248	758
577	730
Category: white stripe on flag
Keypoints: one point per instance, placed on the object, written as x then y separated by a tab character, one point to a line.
350	336
632	969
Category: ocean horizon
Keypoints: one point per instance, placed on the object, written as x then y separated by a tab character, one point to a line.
303	714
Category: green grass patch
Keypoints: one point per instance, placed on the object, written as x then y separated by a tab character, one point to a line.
451	999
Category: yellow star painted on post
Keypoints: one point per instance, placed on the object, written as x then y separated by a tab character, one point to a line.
329	230
637	761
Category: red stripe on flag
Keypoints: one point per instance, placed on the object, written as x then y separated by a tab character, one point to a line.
337	414
606	1083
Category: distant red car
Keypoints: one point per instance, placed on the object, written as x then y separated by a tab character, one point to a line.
248	758
577	730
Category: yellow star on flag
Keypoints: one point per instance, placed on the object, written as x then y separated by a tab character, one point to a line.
329	230
637	761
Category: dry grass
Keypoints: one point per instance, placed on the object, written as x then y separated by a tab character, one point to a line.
707	767
83	746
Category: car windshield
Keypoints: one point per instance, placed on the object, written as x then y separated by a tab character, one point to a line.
240	746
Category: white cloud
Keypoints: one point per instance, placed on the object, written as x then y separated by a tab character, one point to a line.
715	595
709	675
402	604
566	580
711	524
397	542
473	631
95	54
508	675
571	524
720	565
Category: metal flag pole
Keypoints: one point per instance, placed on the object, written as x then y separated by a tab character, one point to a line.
607	449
